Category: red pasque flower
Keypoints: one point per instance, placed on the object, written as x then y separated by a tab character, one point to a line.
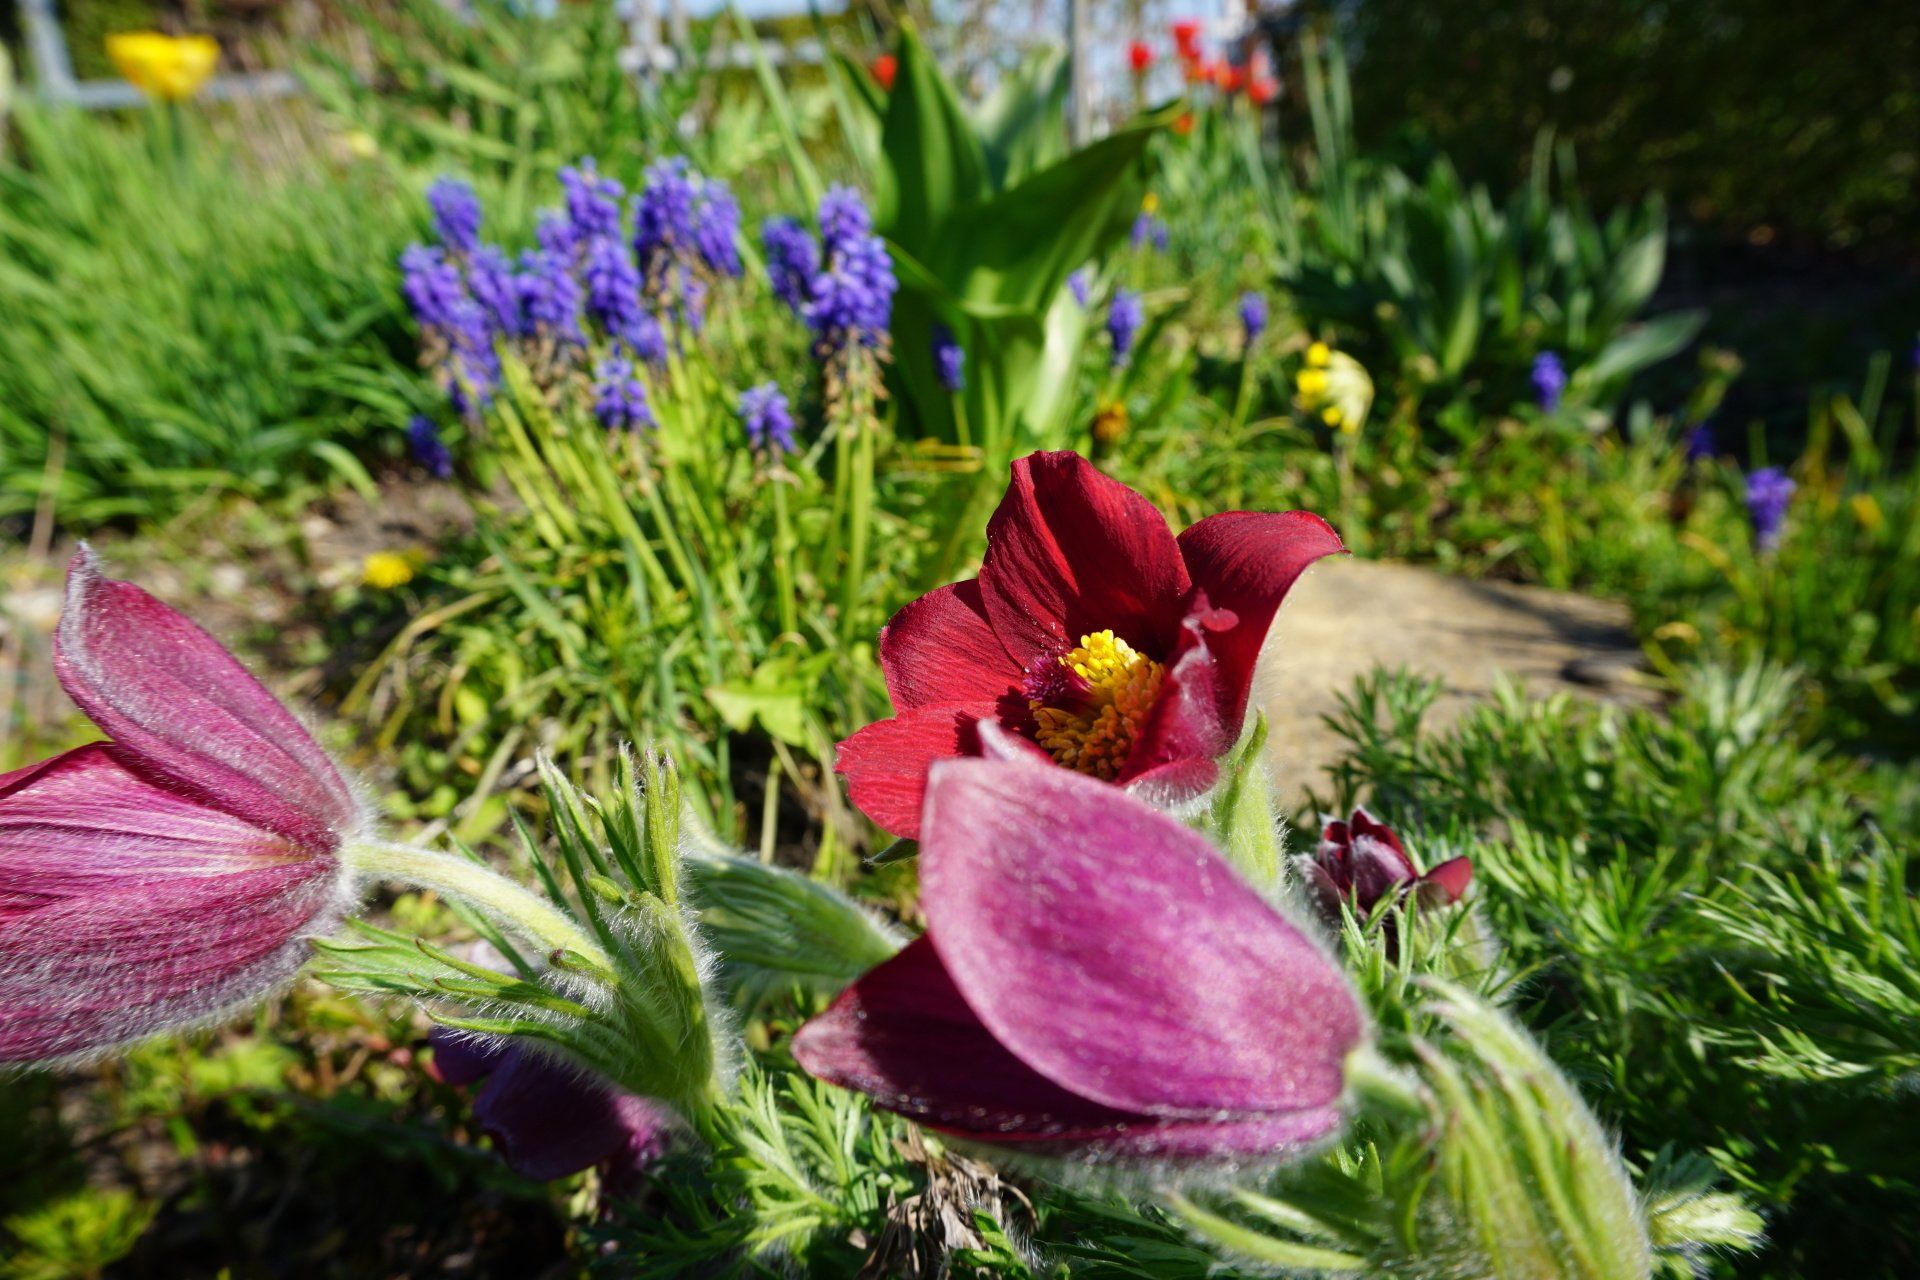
175	872
1139	56
1186	38
885	67
1093	634
1095	980
1362	861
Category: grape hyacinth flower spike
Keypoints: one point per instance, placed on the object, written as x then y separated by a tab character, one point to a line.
1092	634
768	418
1095	981
949	360
1253	316
1769	493
1549	379
176	871
1125	315
456	214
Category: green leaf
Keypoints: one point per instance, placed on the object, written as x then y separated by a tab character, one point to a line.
932	163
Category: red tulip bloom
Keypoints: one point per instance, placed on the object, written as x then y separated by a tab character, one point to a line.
885	68
1262	89
175	872
1095	979
1093	634
1139	56
1362	861
1201	70
1229	78
1186	38
1183	123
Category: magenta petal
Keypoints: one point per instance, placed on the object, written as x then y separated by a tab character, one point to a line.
94	972
170	696
941	649
1070	552
1265	1138
886	763
1247	561
1116	953
903	1035
551	1120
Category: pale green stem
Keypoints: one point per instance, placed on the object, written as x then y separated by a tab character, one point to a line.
511	904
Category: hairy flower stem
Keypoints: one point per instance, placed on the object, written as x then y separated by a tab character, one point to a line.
514	906
1380	1084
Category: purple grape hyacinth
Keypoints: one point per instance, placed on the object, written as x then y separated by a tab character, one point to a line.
1149	230
429	450
550	297
1700	443
593	200
768	418
793	259
1125	315
456	214
619	397
1080	285
852	295
432	287
1549	379
1769	493
949	359
1253	316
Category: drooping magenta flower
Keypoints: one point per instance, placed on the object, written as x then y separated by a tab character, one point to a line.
1094	980
547	1119
1111	646
173	873
1362	861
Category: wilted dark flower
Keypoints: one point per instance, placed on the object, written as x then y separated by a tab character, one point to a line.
1549	380
767	417
550	1120
1253	315
456	214
1361	861
619	397
429	450
1769	491
593	200
1125	315
793	259
949	359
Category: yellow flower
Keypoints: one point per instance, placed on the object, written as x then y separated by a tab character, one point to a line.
1312	382
165	68
1336	386
1319	355
1866	509
361	144
385	570
1150	203
1331	416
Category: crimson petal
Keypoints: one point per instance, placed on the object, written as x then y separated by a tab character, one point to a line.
886	763
169	695
1113	951
1070	552
1247	561
941	649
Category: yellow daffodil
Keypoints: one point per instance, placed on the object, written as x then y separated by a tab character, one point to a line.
385	570
165	68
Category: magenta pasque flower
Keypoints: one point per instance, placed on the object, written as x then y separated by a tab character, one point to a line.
550	1120
1094	980
174	872
1092	633
1362	861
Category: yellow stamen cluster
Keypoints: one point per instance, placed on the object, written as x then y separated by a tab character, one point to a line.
1097	736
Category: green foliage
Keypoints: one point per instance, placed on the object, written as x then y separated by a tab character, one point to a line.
77	1236
234	335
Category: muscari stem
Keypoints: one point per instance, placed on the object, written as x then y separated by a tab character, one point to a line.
513	905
